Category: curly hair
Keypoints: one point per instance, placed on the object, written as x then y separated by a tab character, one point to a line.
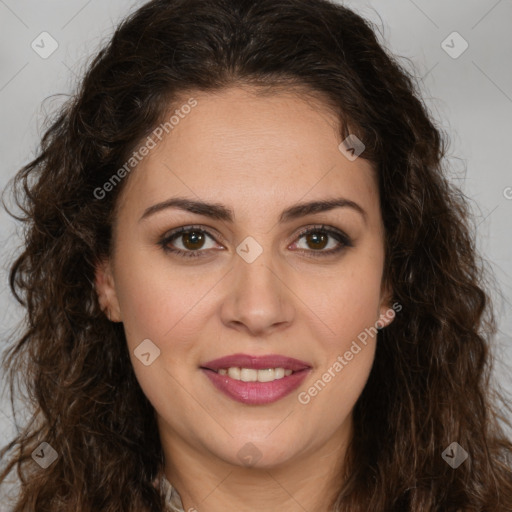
430	382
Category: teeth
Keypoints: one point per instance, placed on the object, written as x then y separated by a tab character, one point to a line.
248	375
234	373
252	375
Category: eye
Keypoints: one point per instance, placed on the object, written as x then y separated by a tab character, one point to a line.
191	239
317	239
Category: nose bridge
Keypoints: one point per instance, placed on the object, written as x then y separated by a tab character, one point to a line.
257	298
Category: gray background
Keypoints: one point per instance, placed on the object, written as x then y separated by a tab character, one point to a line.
469	96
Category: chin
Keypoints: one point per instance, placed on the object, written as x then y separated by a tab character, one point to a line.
258	453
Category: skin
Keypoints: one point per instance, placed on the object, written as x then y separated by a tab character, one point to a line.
257	155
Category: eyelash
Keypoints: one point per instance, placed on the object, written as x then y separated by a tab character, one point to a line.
341	237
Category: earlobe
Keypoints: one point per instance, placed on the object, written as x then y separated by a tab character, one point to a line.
106	291
387	315
387	311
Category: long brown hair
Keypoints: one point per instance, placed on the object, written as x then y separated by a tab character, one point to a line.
429	385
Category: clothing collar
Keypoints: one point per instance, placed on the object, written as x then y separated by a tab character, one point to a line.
172	498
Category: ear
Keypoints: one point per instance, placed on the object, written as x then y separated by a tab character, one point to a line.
106	290
387	310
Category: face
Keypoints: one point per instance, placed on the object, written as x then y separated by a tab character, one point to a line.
252	275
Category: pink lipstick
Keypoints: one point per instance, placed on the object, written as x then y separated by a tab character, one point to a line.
256	380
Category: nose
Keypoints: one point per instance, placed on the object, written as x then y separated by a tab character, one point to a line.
259	300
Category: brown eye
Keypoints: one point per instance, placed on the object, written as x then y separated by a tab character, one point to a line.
193	240
188	242
314	240
317	240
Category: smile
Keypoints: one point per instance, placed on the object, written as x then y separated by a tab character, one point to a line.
256	380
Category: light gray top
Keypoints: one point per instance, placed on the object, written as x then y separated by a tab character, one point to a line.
172	498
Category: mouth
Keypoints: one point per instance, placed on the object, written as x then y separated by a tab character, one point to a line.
256	380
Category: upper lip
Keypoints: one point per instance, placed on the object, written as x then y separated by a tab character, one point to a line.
256	362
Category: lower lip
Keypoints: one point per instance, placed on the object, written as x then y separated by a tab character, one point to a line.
256	393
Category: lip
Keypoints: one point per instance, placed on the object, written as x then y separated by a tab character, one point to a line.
256	362
256	393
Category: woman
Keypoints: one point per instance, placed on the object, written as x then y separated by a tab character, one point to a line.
248	284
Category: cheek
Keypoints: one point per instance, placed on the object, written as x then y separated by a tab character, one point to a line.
348	307
168	305
329	398
346	301
166	309
157	298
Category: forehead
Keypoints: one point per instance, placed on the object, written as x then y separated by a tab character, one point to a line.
250	150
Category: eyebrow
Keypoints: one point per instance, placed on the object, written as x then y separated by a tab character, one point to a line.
218	211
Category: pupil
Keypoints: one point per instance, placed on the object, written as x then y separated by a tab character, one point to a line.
195	239
320	240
